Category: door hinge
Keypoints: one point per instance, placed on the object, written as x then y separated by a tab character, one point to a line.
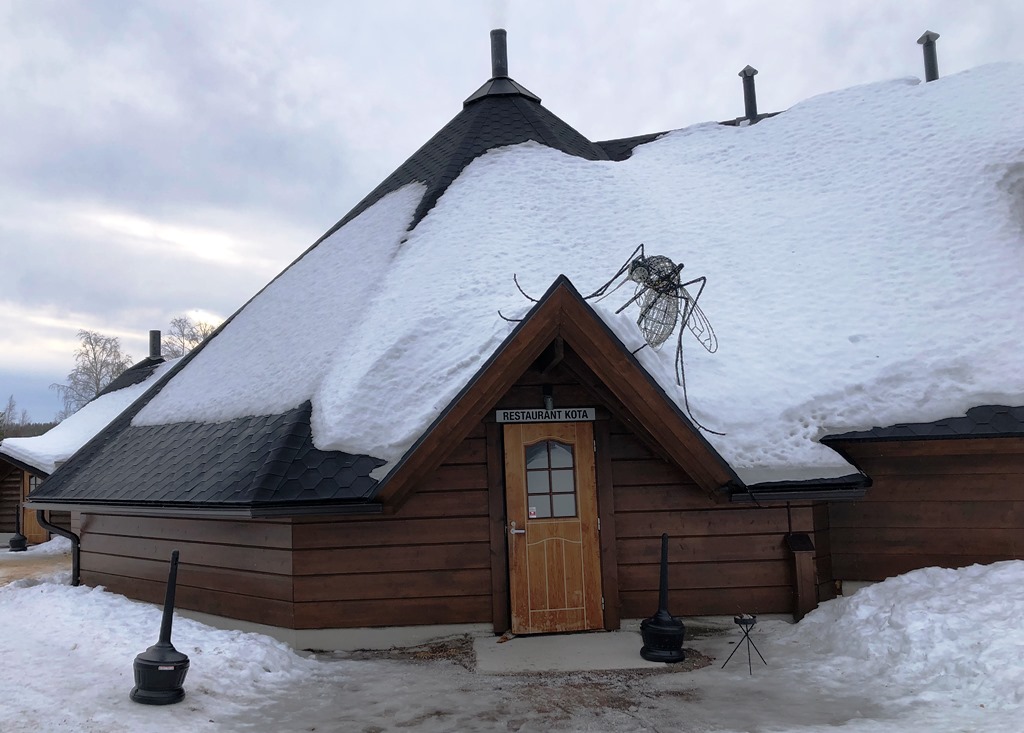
599	524
602	603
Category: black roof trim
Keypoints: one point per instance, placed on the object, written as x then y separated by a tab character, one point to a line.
849	487
984	421
242	511
21	464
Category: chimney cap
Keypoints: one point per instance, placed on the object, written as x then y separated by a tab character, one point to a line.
500	84
928	36
155	350
499	54
747	70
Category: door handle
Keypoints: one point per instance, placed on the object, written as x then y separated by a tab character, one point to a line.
512	528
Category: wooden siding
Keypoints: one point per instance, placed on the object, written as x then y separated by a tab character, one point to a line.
238	569
947	503
10	494
428	563
723	559
823	553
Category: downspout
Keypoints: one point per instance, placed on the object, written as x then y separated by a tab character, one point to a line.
75	543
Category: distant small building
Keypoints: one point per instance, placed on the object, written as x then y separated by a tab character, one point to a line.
427	419
25	462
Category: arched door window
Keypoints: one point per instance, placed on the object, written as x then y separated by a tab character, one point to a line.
550	480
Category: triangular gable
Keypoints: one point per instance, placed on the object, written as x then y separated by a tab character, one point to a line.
562	312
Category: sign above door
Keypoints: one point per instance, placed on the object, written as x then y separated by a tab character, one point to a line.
568	414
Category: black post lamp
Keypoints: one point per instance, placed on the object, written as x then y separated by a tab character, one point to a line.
160	670
663	633
18	541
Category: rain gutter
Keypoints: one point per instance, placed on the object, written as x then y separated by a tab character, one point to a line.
76	543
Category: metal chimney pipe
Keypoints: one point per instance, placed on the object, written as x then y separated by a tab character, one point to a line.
154	345
931	59
749	95
499	53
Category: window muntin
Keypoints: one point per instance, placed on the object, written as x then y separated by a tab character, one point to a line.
550	480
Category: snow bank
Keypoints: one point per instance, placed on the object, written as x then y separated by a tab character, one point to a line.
83	641
945	635
863	251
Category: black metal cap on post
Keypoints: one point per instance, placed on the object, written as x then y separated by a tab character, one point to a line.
160	670
663	633
931	58
18	542
499	53
749	94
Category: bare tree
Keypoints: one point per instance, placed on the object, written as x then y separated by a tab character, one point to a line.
184	335
98	362
8	417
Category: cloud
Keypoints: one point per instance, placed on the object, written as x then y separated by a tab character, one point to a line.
162	156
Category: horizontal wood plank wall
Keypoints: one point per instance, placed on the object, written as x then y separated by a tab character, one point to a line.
723	559
10	495
239	569
823	553
947	503
428	563
61	519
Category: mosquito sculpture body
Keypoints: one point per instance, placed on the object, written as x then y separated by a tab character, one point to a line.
664	300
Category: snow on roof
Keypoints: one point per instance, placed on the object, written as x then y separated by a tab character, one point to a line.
61	441
863	250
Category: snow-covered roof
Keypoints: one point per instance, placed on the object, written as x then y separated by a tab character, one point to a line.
45	451
864	253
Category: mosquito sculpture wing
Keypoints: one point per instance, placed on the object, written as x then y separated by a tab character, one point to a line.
698	323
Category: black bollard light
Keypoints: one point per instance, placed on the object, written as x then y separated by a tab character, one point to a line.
18	541
663	633
160	670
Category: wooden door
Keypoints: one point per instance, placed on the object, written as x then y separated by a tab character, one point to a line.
34	533
554	548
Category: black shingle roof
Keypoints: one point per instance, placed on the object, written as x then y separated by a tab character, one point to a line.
135	374
980	422
500	113
259	463
622	148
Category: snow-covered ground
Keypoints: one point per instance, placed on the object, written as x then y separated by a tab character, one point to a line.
934	650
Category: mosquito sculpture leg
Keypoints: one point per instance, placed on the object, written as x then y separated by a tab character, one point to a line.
603	291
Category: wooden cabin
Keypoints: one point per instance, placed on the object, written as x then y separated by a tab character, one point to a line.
26	462
17	479
550	459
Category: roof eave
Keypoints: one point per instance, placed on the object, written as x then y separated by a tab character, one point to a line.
839	488
26	467
226	511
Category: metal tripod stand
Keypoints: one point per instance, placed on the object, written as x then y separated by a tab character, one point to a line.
746	624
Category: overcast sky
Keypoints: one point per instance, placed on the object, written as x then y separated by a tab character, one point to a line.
161	158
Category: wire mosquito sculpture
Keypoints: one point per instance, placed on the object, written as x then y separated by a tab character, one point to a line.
664	300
